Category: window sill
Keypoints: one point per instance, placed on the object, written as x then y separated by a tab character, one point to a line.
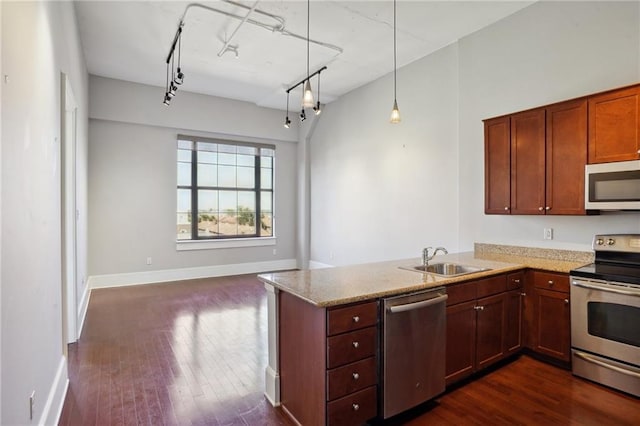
227	243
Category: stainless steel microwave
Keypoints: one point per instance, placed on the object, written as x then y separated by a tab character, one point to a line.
612	186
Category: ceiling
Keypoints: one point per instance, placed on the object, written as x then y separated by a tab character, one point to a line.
130	40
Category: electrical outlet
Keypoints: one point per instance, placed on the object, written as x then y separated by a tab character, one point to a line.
548	233
32	402
149	261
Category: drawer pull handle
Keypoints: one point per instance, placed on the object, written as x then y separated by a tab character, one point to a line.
355	344
356	407
516	281
356	376
523	294
550	282
479	308
356	319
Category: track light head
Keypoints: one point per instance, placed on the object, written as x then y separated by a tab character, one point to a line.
307	97
167	99
317	108
287	122
179	78
303	115
172	89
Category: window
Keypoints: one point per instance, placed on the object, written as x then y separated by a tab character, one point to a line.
229	186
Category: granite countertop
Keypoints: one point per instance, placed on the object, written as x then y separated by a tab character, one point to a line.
347	284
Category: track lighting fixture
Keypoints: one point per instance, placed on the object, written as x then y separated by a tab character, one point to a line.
316	108
287	122
395	112
179	76
307	97
303	115
167	99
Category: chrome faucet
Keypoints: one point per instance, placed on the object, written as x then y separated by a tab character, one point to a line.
425	254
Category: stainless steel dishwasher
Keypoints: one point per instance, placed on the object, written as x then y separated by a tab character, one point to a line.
413	349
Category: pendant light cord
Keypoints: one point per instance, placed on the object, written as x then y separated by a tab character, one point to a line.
308	23
394	51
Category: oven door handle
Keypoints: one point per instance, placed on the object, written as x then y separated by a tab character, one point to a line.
592	360
606	288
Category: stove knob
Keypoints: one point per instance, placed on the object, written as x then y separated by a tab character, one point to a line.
611	242
599	241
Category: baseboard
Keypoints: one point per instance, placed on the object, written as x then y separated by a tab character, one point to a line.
272	386
166	275
55	399
82	309
317	265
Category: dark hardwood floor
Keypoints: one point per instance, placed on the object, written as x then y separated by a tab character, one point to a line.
194	353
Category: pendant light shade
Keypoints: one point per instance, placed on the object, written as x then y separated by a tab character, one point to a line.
395	112
307	98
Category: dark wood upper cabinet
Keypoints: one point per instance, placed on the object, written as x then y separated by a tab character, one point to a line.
566	157
528	162
614	126
497	171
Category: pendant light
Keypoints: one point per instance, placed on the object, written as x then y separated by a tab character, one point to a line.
307	97
395	112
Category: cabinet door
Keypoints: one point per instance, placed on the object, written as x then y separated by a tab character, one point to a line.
552	328
490	330
497	166
528	162
513	321
566	157
614	126
461	341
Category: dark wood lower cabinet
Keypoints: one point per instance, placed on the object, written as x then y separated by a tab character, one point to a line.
514	321
461	341
552	328
490	330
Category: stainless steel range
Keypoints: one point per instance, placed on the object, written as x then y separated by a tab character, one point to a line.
605	314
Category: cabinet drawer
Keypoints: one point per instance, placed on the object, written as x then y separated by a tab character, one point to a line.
349	347
351	318
551	281
353	409
515	281
459	293
490	286
350	378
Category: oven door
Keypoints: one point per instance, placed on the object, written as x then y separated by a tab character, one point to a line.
605	318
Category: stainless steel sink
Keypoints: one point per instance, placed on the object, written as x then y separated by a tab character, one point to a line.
447	269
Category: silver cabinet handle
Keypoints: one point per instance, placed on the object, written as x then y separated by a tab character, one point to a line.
356	407
592	360
523	294
418	305
506	208
479	308
355	344
550	282
356	376
516	281
356	318
540	208
566	301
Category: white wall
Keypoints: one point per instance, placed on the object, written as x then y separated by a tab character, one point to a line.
132	176
380	190
548	52
39	41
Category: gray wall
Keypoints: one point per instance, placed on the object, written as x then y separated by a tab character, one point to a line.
382	191
132	175
39	41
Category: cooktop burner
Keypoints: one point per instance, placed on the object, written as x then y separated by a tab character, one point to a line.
617	259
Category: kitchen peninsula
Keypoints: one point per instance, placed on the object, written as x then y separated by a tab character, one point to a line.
324	323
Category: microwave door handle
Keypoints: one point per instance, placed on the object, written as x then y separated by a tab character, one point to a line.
605	364
607	289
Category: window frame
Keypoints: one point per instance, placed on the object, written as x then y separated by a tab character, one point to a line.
255	239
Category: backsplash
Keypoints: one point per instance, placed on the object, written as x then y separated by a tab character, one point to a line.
544	253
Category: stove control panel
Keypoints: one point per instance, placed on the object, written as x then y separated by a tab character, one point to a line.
623	243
